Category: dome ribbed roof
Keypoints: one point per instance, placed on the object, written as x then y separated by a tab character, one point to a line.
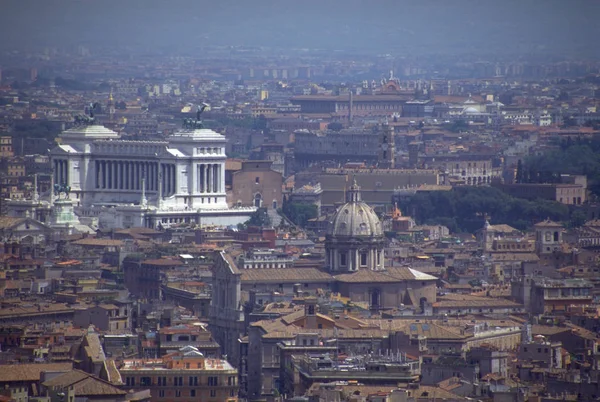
355	218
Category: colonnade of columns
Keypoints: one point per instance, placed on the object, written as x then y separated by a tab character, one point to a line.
168	177
209	178
354	259
125	175
61	171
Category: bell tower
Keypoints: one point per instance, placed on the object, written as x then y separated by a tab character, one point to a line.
548	237
111	106
386	147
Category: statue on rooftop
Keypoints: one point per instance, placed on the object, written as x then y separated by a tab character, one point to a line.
62	189
192	124
87	118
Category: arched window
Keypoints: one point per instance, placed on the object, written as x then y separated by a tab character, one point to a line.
258	200
363	259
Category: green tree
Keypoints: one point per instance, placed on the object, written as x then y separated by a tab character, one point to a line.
569	122
462	209
259	218
335	126
519	175
299	213
578	218
261	123
458	126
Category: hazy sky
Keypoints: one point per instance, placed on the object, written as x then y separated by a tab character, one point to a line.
432	25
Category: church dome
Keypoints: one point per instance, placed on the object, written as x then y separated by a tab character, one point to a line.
355	239
355	218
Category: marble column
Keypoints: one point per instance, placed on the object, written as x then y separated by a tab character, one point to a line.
113	175
102	175
209	178
215	178
118	175
138	173
173	179
131	176
191	179
153	176
169	179
201	177
126	170
121	175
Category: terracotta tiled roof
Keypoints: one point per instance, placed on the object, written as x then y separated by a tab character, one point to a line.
33	311
114	376
144	231
98	242
165	262
283	275
429	329
29	372
83	384
510	256
456	300
7	222
548	224
502	228
93	348
366	276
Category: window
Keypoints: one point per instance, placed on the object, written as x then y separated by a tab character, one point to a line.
162	381
193	392
363	259
161	393
193	381
343	261
257	180
230	380
145	381
231	392
178	393
178	381
213	381
213	393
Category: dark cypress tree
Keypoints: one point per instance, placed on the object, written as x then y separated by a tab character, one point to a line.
519	178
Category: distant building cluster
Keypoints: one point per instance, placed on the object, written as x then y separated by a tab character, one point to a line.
289	230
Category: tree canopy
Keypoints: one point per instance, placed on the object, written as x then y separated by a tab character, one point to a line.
259	218
463	209
299	213
572	156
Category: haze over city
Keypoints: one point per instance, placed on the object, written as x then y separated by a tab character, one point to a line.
513	27
299	201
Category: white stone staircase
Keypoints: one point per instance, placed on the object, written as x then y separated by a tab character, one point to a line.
275	217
